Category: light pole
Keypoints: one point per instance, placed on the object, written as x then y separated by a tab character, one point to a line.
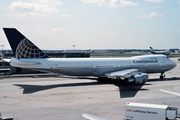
2	51
74	47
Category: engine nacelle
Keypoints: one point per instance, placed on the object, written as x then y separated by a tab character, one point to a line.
140	78
145	76
130	79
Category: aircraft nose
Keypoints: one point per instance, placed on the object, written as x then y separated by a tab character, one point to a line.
173	64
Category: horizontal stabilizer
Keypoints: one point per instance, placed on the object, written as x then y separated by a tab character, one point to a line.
6	60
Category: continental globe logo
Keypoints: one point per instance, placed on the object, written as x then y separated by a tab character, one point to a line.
26	49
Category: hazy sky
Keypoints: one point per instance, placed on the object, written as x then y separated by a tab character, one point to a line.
94	24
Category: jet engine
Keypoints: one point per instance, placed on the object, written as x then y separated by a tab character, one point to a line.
138	79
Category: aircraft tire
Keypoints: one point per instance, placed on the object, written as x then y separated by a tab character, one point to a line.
100	79
161	77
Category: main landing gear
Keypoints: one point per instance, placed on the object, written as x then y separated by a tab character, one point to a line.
162	76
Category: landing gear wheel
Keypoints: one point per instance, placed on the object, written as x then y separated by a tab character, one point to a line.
100	79
162	76
118	78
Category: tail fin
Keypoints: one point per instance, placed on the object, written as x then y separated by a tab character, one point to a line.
21	46
152	50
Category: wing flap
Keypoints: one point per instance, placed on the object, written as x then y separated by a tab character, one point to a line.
123	73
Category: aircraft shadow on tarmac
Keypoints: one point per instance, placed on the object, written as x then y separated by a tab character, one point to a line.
125	89
28	89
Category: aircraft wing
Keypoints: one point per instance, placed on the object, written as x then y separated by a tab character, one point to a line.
123	73
91	117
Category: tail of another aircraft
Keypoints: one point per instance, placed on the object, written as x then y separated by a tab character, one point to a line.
21	46
152	50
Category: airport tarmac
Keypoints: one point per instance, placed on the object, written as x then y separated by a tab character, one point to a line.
67	98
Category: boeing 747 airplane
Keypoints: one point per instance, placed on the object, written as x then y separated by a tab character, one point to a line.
133	69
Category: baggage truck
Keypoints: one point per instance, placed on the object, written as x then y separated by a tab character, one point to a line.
143	111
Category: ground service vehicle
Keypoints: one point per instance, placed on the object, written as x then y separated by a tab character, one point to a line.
142	111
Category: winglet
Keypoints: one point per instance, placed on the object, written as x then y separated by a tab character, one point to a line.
21	46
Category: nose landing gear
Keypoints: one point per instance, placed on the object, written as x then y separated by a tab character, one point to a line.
162	76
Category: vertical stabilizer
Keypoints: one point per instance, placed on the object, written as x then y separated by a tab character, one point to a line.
21	46
152	50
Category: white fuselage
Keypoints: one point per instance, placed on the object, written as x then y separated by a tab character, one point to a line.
96	66
161	52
